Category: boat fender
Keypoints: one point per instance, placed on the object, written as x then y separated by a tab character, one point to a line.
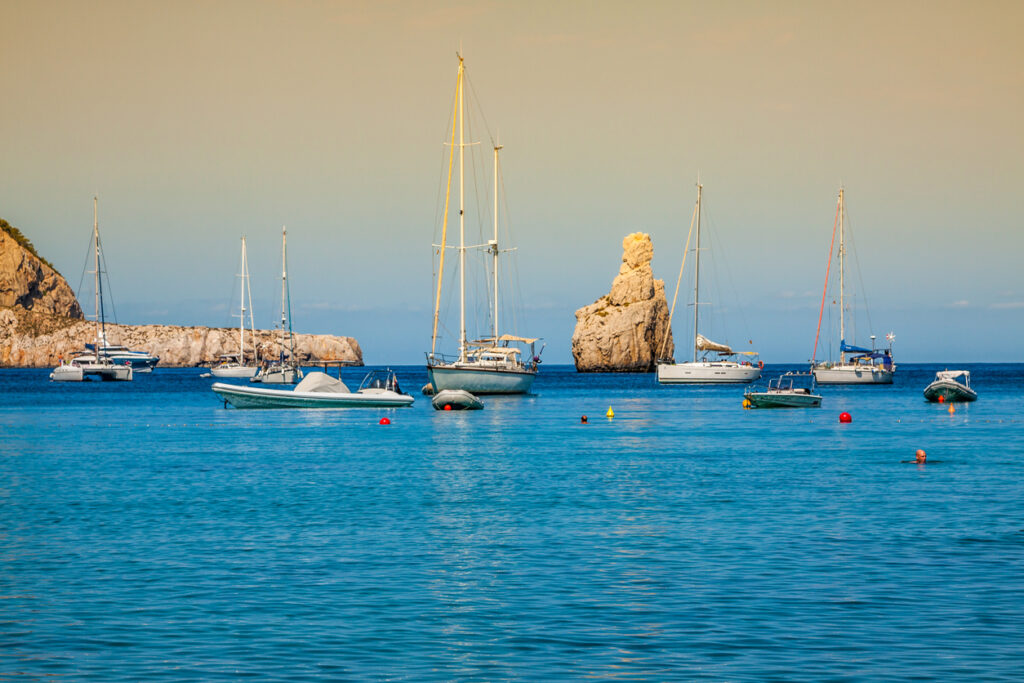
447	406
760	365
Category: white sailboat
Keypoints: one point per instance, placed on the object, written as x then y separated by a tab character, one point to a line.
92	364
284	370
234	365
857	364
712	363
493	364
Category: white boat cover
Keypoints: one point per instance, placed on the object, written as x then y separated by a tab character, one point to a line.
952	374
322	382
705	344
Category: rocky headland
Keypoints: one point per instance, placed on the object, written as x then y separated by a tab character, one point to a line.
41	322
624	331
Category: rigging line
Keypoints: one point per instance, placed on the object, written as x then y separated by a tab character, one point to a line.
88	254
828	269
444	224
110	290
860	279
735	293
679	280
513	309
475	99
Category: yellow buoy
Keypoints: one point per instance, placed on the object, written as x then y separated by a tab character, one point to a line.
610	413
747	404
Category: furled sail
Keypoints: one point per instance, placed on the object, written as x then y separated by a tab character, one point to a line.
705	344
849	348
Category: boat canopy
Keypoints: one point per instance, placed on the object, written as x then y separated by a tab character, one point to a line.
952	374
487	341
705	344
495	350
323	383
847	348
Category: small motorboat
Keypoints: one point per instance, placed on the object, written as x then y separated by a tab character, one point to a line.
379	389
781	393
951	385
456	399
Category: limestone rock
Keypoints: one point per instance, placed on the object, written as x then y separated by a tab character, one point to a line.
29	282
33	339
625	330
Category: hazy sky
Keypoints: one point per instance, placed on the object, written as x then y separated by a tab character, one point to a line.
196	122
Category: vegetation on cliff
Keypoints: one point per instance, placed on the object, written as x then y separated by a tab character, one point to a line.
25	243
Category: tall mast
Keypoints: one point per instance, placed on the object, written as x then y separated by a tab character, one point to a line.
100	325
494	246
241	315
284	283
462	220
842	278
252	321
696	276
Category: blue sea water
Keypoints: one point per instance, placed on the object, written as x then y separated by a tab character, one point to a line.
146	532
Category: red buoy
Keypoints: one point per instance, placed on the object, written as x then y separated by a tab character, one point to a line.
447	406
845	418
385	421
942	399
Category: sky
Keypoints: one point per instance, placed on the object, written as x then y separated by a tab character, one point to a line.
198	122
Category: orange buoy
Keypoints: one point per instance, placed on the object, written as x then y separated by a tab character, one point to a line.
845	418
952	409
385	421
447	406
921	456
942	399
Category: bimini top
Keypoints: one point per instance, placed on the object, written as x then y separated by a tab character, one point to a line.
322	383
952	374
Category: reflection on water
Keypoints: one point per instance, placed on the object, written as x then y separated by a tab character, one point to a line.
146	530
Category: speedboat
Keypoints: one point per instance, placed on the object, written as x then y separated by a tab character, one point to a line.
781	393
948	387
456	399
379	389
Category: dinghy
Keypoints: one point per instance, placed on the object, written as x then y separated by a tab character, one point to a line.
379	389
949	387
456	399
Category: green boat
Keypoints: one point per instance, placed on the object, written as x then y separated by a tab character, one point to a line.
951	386
781	393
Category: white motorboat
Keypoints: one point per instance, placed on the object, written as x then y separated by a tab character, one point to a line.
456	399
88	364
713	362
856	364
781	393
284	370
140	361
234	364
495	364
951	386
379	389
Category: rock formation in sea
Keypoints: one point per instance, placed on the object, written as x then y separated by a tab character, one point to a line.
624	331
41	322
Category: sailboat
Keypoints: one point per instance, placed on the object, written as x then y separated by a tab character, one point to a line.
94	364
234	365
857	364
284	370
712	362
492	364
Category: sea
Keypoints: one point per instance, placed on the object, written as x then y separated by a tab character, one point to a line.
149	533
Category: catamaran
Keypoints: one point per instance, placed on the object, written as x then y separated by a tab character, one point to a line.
713	362
857	364
234	365
284	370
85	364
493	364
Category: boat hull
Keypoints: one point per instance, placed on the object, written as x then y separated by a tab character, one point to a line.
234	371
456	399
949	391
67	373
709	372
241	396
852	374
771	399
480	380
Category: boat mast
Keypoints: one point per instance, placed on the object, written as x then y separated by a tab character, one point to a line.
696	276
241	315
252	321
284	284
462	220
842	283
101	328
494	245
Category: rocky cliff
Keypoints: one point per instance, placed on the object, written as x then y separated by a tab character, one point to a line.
41	321
28	281
624	331
31	339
